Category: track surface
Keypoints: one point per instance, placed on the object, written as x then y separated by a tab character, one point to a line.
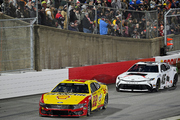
121	106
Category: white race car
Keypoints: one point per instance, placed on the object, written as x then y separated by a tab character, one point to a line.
147	76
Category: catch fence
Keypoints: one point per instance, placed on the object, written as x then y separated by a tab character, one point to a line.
16	44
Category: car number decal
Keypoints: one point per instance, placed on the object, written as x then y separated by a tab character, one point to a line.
95	99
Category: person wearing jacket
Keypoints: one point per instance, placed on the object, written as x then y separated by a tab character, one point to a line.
87	24
103	26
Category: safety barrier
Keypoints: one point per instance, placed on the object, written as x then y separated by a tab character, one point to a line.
16	85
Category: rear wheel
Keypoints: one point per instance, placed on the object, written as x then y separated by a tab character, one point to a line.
89	109
175	80
105	102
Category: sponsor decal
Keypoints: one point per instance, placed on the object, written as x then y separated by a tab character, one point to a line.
76	94
104	91
171	61
59	102
64	97
100	96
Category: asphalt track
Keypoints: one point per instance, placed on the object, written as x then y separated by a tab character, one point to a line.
122	106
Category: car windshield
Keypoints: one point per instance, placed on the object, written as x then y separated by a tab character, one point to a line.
71	87
143	68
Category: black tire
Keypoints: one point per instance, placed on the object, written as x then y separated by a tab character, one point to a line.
117	89
105	102
157	86
89	109
175	80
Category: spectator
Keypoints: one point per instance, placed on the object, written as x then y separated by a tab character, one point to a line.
116	4
131	7
72	27
26	12
103	26
60	19
136	34
12	10
87	24
19	13
32	9
64	14
42	16
161	31
73	17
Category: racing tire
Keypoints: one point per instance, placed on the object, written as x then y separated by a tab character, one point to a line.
117	89
105	102
175	80
157	86
89	109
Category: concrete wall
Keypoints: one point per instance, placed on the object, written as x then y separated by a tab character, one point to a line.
14	45
57	48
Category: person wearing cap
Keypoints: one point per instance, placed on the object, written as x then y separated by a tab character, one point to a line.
87	24
72	27
131	7
103	26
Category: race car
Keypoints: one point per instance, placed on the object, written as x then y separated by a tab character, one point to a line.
74	97
147	76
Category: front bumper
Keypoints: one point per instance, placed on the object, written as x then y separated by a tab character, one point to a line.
43	111
135	86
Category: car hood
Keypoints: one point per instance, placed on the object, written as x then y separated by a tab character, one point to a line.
64	98
136	76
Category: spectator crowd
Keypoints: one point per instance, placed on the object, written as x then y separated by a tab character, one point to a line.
125	18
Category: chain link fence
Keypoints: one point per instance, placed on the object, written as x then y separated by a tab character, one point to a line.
16	44
171	26
122	22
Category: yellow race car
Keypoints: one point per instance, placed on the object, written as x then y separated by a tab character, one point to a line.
76	97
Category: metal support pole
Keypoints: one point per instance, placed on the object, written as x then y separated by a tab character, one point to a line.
165	31
32	43
67	12
96	20
157	23
121	22
146	25
165	42
37	11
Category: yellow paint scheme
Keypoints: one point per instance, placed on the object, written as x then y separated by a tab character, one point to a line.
60	98
97	98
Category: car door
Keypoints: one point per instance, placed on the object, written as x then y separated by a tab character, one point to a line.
94	92
165	74
170	75
100	94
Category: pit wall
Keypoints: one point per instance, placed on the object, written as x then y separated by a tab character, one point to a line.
30	83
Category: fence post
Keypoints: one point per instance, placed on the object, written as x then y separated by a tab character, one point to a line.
32	43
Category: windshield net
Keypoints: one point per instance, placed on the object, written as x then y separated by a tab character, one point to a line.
71	88
143	68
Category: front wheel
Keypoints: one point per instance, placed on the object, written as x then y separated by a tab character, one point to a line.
175	80
117	89
105	102
89	109
157	86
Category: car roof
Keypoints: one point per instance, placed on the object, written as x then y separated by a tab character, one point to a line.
149	63
84	81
